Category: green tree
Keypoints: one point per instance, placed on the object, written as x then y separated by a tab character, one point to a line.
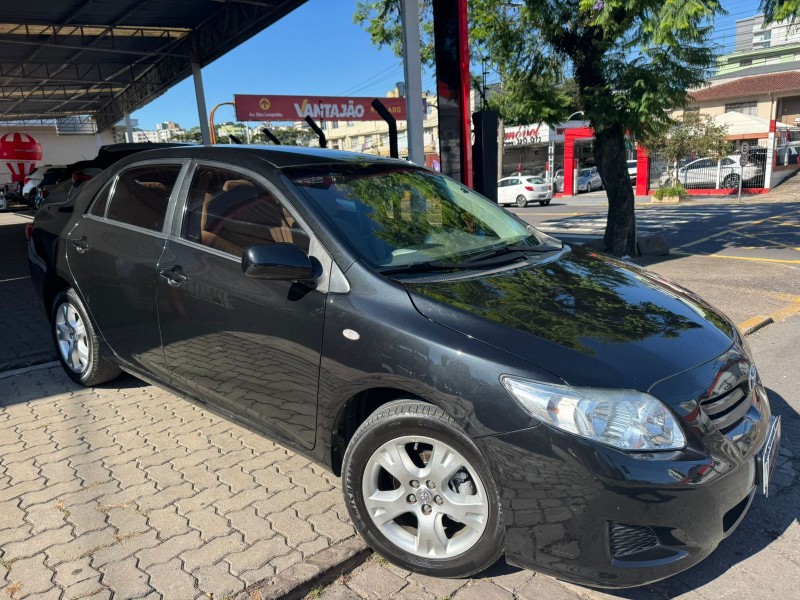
631	61
780	10
694	136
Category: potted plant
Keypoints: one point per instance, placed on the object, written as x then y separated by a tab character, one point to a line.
669	195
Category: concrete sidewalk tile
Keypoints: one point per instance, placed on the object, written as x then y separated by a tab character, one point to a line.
172	582
33	574
250	525
45	516
294	529
167	522
75	571
329	525
212	552
125	579
542	586
217	581
208	523
123	548
484	590
440	587
256	556
82	546
374	582
35	544
169	549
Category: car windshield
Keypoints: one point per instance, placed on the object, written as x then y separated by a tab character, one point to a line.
585	173
399	217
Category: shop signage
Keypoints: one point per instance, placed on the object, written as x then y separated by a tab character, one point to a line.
319	108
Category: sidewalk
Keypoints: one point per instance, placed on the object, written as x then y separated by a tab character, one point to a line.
127	491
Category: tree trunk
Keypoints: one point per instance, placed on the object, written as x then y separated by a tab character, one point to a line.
620	236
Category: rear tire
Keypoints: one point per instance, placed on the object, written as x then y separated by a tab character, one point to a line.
521	201
731	181
588	188
77	344
426	498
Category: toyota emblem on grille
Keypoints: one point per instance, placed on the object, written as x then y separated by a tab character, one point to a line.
752	377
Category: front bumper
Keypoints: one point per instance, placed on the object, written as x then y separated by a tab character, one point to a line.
567	502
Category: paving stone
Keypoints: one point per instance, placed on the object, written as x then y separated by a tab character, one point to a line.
542	586
172	582
125	579
212	552
167	522
236	479
340	591
312	482
250	525
82	546
74	571
217	581
440	587
45	516
319	503
293	528
86	517
174	546
483	590
10	515
123	548
208	523
34	545
257	555
375	582
127	521
329	525
32	574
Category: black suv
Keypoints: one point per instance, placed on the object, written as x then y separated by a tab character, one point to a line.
481	387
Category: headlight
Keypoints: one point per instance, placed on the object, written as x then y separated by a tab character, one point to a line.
624	419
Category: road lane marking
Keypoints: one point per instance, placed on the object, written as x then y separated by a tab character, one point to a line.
754	259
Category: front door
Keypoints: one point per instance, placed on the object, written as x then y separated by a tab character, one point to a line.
249	346
112	253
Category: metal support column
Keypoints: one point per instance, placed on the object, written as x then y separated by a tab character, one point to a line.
128	127
202	113
412	67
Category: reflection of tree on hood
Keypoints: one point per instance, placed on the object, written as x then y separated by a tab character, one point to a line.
576	297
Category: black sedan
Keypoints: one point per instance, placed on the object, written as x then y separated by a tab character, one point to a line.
481	387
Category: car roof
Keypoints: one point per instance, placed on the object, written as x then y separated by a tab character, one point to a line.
277	156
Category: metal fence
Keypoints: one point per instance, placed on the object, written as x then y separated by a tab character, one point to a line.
711	173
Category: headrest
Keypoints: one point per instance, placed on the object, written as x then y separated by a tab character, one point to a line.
234	183
153	185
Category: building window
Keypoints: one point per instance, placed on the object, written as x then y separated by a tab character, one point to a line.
746	108
745	62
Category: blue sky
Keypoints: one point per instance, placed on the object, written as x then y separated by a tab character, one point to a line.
314	50
318	50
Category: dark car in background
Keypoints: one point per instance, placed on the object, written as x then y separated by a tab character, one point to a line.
72	176
480	387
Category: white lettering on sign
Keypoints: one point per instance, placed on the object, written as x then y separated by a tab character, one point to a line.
524	135
322	110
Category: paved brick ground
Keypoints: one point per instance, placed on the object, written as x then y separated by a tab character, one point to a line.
127	491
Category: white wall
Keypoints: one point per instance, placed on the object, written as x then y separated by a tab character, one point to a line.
60	149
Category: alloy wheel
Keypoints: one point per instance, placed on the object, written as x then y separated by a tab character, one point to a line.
73	343
425	497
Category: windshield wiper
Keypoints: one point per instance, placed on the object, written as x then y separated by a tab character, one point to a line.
421	267
520	249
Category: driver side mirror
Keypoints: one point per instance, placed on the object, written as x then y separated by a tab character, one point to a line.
278	262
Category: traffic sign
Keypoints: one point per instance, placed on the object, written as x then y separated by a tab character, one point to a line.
743	160
744	148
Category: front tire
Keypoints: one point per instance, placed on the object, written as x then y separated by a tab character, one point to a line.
588	188
522	202
77	344
421	494
731	181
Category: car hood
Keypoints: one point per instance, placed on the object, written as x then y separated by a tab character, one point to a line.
590	319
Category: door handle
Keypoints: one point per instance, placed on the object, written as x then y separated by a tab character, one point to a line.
81	245
174	276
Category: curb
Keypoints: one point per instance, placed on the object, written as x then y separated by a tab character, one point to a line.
28	369
318	570
754	324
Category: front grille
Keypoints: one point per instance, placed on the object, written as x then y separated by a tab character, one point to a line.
626	540
728	410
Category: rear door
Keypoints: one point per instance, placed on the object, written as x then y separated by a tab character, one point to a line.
251	347
113	251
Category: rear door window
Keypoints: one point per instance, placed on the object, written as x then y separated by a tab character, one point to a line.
140	196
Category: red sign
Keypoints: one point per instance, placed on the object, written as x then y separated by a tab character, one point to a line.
319	108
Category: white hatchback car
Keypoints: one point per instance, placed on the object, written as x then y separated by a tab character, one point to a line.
521	189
